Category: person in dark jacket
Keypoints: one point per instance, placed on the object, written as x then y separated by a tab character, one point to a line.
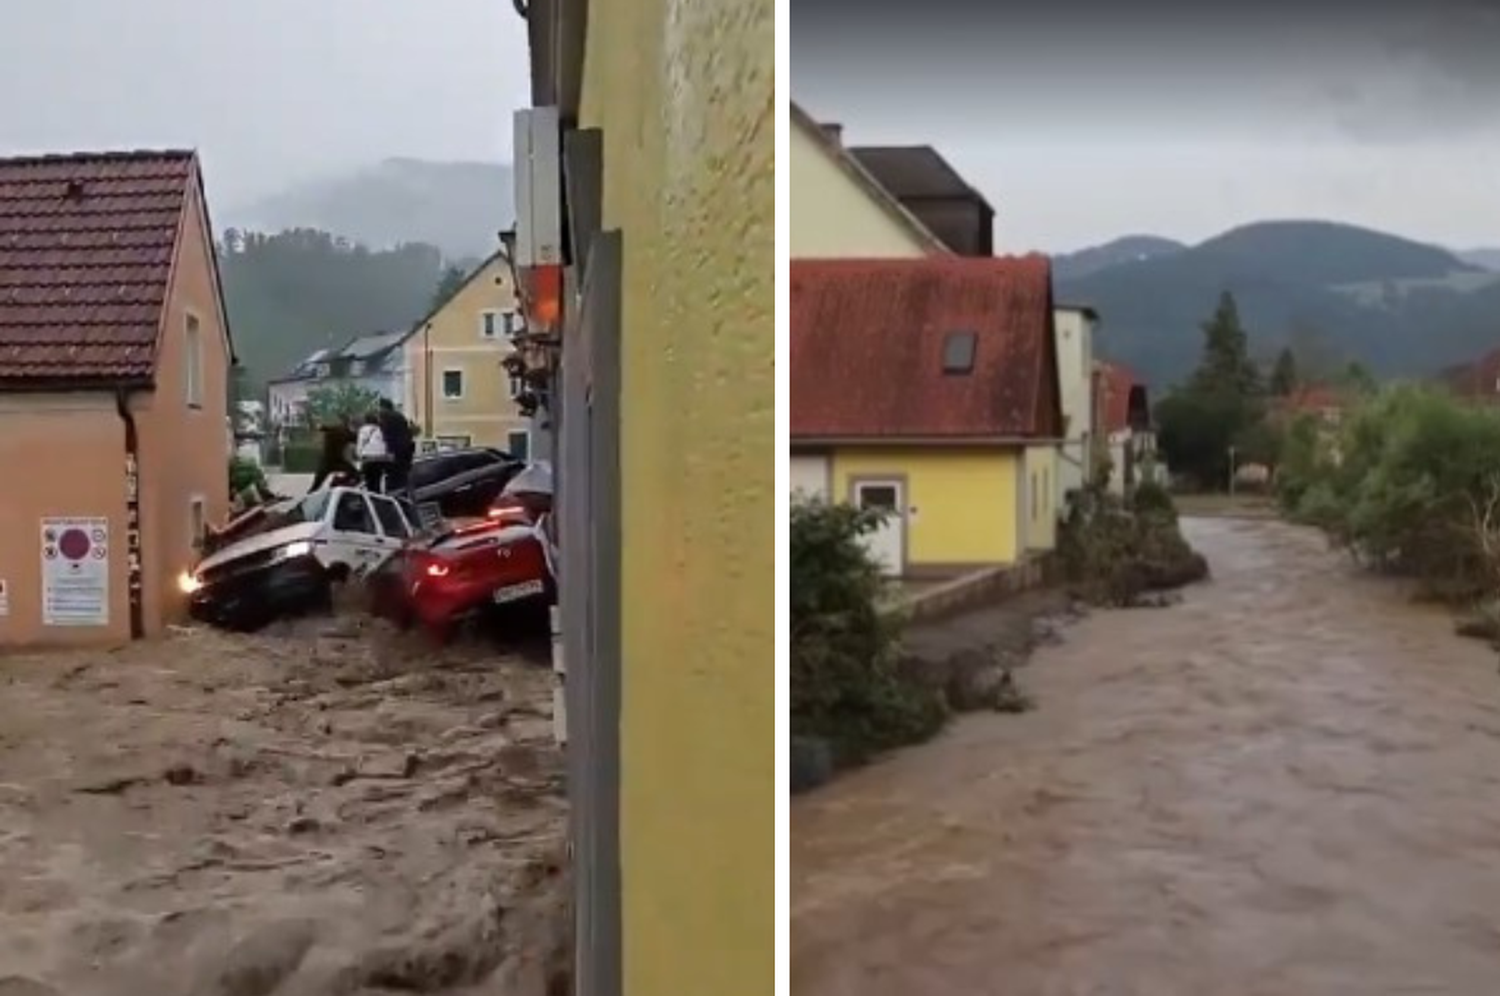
338	444
399	443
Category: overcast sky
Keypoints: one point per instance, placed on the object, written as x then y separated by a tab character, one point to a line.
1081	123
270	91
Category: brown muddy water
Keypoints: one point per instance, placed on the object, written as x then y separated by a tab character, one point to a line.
332	809
1289	785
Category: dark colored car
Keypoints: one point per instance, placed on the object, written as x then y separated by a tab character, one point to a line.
462	483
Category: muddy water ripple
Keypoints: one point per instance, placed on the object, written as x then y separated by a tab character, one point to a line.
1287	786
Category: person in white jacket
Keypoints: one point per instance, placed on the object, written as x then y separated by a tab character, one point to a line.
373	455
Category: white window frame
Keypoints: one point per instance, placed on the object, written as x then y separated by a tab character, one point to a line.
192	353
198	520
462	383
509	325
517	386
496	330
512	434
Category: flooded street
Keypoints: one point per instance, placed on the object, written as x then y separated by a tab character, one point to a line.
330	810
1289	785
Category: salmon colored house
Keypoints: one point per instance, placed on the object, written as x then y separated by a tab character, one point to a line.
114	384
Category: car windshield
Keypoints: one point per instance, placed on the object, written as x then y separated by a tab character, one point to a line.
536	479
309	509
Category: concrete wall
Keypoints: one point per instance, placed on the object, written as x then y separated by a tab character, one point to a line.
452	341
834	216
1075	365
961	503
684	96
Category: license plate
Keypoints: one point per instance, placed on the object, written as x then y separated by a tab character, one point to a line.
516	592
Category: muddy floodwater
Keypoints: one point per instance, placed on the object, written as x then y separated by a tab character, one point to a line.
328	810
1288	785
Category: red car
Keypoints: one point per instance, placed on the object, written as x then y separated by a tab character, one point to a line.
499	562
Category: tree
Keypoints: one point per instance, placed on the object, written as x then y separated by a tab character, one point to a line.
1226	367
1284	374
339	401
1198	423
448	284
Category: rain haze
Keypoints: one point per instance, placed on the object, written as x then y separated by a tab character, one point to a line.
1081	123
273	92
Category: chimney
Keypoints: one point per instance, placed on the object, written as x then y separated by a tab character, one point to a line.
835	132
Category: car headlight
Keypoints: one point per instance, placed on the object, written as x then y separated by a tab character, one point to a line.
292	551
187	583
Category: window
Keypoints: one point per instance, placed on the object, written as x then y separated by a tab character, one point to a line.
453	442
453	385
197	521
517	387
192	359
518	442
353	514
392	523
489	324
509	324
958	352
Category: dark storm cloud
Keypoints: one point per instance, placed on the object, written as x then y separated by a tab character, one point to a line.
1083	120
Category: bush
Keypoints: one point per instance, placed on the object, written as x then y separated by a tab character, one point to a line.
1399	484
244	474
301	458
845	686
1112	553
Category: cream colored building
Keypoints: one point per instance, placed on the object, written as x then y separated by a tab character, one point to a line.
838	208
456	389
1074	331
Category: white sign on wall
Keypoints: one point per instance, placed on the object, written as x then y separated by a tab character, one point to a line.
75	572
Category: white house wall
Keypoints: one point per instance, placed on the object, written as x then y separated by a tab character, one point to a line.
1075	366
810	475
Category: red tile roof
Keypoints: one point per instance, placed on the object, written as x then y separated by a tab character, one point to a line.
868	339
1477	379
86	247
1115	384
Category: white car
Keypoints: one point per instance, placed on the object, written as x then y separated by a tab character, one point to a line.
297	550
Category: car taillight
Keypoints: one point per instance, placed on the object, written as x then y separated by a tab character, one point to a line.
436	570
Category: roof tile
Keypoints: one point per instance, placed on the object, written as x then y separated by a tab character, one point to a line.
867	348
86	244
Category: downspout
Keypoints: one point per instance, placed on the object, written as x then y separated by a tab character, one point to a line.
429	430
133	545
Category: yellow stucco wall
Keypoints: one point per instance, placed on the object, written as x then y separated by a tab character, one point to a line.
1041	501
684	92
485	414
833	216
963	507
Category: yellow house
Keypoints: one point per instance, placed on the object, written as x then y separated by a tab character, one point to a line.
840	208
668	115
929	388
456	389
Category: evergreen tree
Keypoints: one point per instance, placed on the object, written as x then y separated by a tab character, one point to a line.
1226	368
1284	375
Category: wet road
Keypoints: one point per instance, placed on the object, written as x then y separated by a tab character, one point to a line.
1287	786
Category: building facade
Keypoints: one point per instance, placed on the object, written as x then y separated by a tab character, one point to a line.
454	386
118	409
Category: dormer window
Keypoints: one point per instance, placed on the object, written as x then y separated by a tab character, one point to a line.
958	352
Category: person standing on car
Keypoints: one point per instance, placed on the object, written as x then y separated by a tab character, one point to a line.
399	443
338	445
373	455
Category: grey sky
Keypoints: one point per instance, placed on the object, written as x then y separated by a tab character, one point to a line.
271	91
1085	124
